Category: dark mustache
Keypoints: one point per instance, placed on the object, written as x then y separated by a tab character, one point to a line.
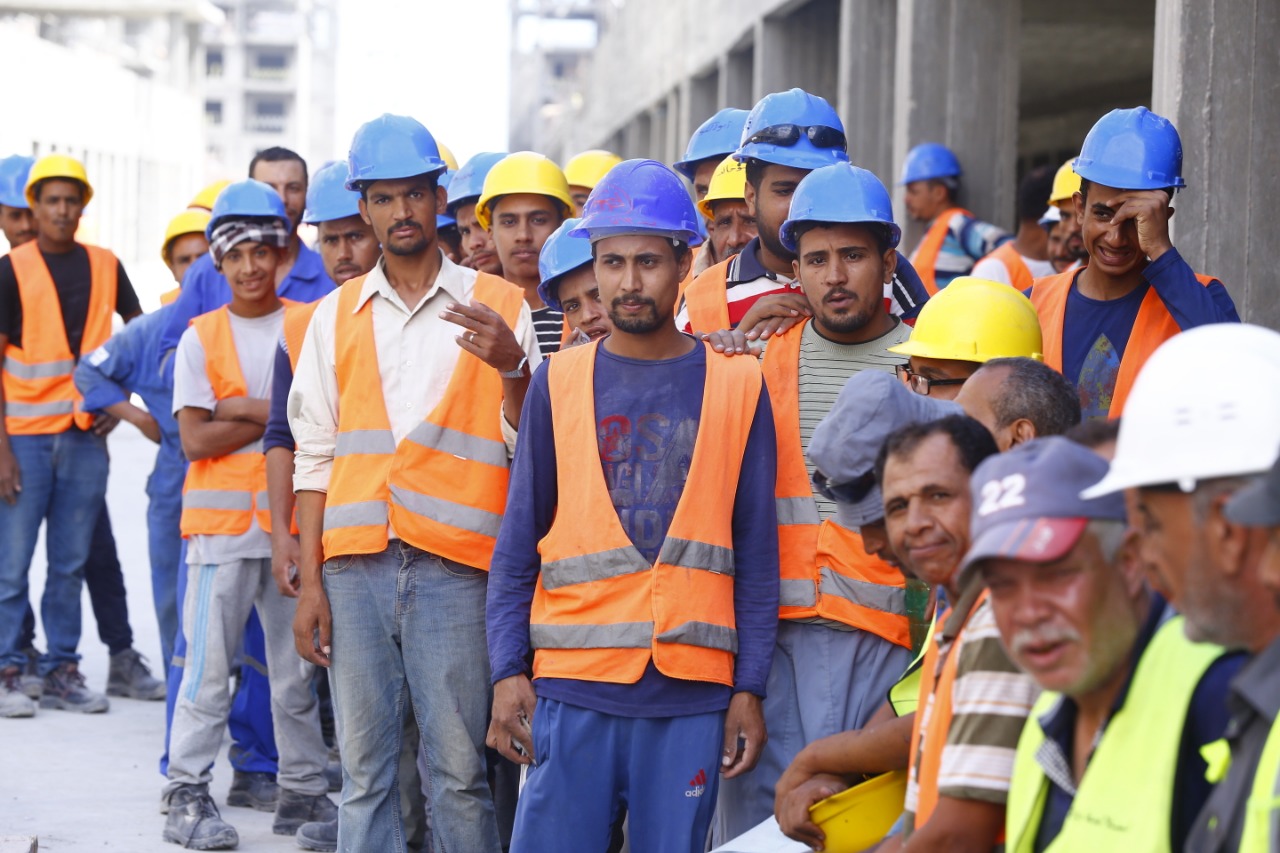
633	300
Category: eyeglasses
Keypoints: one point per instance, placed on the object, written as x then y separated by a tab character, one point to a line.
851	492
789	134
921	384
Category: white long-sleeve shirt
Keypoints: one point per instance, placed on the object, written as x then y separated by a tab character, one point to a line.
417	354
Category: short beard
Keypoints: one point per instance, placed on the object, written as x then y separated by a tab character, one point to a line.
852	321
415	248
637	325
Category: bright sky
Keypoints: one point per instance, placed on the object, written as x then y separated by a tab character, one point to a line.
444	63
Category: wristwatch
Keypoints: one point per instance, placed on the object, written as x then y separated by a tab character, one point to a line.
518	372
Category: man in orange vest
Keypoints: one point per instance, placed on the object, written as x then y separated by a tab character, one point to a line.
222	383
1025	257
401	480
637	559
956	239
56	301
1102	322
973	699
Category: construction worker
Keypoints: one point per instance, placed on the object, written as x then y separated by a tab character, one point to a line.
1019	399
184	244
730	226
1102	322
715	139
447	227
1195	432
1062	201
221	396
16	221
973	321
1025	258
476	243
525	198
844	636
53	455
955	239
614	662
300	277
1117	672
569	284
385	396
584	171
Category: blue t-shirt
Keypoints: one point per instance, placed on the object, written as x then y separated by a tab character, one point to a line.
647	418
278	432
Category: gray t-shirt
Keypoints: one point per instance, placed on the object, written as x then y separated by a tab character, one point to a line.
256	340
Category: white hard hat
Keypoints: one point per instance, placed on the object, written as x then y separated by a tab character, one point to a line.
1205	405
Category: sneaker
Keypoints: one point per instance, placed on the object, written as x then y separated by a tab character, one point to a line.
251	790
14	702
32	683
130	676
296	809
194	821
318	835
65	690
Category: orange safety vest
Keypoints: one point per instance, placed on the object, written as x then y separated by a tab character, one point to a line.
1019	274
601	611
706	299
444	487
297	317
170	296
40	396
826	571
925	257
1153	326
220	493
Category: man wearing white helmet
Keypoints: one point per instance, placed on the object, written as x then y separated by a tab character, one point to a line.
1197	427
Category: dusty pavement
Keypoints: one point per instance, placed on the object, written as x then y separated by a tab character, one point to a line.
92	782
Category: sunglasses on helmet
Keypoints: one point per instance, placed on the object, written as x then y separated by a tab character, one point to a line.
789	134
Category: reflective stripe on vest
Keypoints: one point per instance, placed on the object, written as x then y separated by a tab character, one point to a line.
296	319
220	494
1017	269
1261	823
444	487
925	257
825	570
40	394
1125	799
706	299
601	612
1153	326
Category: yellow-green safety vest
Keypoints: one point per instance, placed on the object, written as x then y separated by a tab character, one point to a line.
1264	799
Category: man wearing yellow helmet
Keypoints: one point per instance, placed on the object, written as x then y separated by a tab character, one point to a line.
730	225
184	243
584	171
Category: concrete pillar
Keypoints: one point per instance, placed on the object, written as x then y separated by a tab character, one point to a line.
799	48
772	61
868	37
956	82
677	127
1217	76
737	80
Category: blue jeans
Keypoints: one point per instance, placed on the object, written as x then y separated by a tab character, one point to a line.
64	481
164	546
407	623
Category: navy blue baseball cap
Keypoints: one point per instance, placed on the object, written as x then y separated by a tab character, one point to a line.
1257	504
1027	504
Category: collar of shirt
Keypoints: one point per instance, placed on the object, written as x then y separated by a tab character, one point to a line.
745	266
1255	691
450	279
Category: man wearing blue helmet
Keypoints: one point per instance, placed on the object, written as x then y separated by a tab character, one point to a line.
637	557
1103	321
715	139
569	284
476	243
15	215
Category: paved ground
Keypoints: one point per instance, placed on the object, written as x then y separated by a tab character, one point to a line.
91	782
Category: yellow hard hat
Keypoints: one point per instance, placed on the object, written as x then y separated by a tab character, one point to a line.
586	169
186	222
975	319
447	156
857	818
207	196
728	183
522	172
57	166
1066	183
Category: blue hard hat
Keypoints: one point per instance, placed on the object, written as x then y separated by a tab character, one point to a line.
718	137
13	180
1132	150
639	197
328	197
793	128
468	182
561	254
391	147
839	193
929	161
247	199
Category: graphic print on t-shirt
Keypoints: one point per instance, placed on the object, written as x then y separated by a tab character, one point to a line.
1098	377
646	463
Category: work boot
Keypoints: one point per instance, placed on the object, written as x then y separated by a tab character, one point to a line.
318	835
32	683
13	701
296	809
130	676
251	790
194	821
65	690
